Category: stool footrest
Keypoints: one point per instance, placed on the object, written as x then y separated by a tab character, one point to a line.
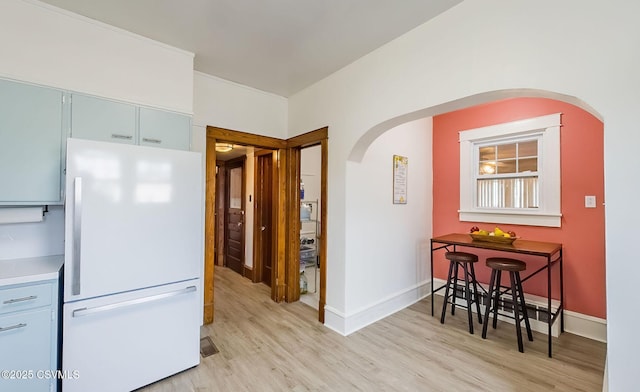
516	302
468	292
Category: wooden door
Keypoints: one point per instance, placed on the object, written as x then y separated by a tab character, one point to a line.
264	218
234	217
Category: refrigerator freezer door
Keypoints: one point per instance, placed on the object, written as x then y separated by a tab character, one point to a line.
133	218
125	341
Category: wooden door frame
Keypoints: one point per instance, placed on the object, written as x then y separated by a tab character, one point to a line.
216	134
257	235
296	144
286	275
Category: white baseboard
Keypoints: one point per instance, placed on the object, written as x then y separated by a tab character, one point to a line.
576	323
346	324
334	320
584	325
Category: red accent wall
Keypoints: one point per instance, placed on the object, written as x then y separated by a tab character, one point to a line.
582	173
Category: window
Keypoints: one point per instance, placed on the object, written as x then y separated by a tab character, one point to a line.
510	173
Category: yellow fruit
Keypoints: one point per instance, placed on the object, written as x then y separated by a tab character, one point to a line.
498	232
506	235
476	232
483	232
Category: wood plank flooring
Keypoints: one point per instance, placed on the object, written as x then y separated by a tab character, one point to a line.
266	346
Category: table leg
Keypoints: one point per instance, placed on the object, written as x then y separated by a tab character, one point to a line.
549	302
561	294
432	304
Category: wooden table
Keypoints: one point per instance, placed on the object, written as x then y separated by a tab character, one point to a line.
550	251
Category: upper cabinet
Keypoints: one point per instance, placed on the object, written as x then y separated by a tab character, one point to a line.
100	119
105	120
31	138
35	122
164	129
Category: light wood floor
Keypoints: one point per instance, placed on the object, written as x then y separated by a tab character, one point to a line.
266	346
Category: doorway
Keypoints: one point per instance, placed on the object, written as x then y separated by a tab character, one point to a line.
285	212
310	224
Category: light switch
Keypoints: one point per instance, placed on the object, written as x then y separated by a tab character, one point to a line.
590	202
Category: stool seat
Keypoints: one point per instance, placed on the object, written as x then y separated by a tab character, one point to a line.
461	257
506	264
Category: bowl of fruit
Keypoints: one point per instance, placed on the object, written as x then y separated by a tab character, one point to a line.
497	236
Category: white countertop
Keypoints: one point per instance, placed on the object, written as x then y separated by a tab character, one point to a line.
27	270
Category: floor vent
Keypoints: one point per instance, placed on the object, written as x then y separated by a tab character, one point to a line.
207	347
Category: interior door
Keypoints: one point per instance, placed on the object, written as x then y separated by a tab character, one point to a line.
264	217
234	230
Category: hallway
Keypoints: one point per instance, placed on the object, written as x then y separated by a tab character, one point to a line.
266	346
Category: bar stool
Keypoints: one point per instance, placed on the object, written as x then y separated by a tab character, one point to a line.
466	260
497	265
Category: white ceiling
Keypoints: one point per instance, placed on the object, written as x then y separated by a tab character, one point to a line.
279	46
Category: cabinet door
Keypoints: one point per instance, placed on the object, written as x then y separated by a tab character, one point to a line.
30	144
25	339
103	120
164	129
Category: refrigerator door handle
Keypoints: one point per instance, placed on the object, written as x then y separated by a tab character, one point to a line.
77	235
85	311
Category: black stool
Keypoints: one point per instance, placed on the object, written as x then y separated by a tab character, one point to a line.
466	260
497	265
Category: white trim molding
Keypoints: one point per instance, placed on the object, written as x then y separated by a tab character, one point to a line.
549	213
576	323
346	324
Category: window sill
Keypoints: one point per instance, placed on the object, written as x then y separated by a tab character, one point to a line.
511	217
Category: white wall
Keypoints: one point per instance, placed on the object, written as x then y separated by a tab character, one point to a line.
311	171
586	50
46	238
46	45
224	104
249	215
387	253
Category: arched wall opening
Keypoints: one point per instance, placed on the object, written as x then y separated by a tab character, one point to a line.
363	143
582	154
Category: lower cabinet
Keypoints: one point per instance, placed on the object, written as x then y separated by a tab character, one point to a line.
29	337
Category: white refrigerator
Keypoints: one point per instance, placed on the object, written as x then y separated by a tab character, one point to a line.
133	265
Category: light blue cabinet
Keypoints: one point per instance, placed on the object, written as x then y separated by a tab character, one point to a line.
35	122
29	336
31	137
164	129
103	120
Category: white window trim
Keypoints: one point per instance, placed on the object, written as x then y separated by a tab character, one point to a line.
549	214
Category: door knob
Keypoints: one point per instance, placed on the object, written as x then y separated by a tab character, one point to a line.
239	224
263	228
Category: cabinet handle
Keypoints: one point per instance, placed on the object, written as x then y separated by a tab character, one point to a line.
149	140
21	325
118	136
14	300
